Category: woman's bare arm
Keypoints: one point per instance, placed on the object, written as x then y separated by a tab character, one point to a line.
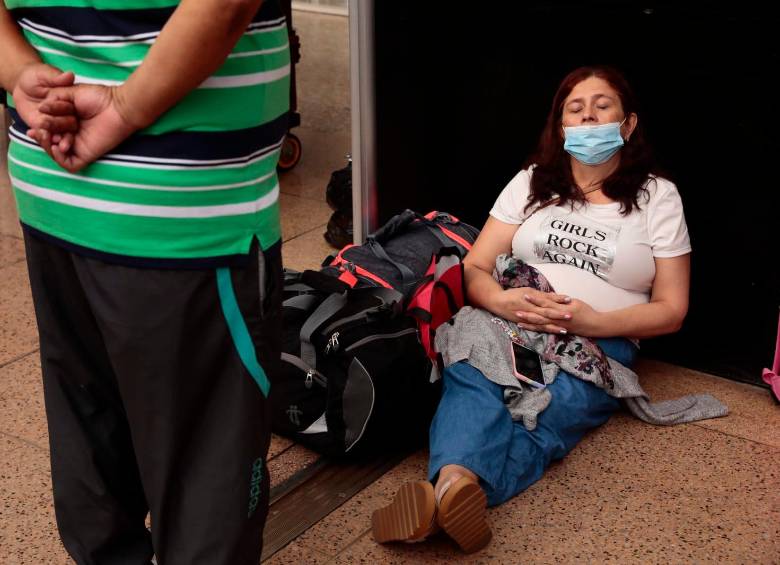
485	292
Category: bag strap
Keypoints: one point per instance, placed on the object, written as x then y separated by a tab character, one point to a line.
298	287
330	306
303	302
333	305
321	282
347	277
425	305
438	234
437	227
407	276
395	225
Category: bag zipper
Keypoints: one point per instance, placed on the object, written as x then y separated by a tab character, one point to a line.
347	320
312	375
371	338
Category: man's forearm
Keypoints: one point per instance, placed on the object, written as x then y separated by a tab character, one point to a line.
16	52
193	44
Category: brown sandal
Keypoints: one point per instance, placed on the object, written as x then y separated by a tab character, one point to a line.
462	514
410	517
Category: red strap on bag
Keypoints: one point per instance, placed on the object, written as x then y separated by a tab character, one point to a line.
438	299
348	277
452	235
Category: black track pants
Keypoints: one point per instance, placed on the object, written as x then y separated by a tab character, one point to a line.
152	383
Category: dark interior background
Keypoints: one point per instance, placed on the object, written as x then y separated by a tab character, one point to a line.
463	91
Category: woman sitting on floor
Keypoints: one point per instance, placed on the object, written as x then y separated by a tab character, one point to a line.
590	221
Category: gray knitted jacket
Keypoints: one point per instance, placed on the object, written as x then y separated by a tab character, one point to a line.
482	339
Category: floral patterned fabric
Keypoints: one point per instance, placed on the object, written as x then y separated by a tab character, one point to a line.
483	340
562	350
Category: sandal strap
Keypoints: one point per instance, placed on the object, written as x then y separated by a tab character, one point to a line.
454	478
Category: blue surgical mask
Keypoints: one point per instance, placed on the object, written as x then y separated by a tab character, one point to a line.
593	145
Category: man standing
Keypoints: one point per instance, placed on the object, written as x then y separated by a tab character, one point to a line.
149	201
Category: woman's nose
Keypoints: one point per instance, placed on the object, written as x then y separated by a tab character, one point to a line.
588	115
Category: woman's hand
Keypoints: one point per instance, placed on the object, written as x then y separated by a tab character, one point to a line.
582	318
101	125
531	307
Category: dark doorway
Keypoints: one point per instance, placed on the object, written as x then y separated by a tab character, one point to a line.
462	93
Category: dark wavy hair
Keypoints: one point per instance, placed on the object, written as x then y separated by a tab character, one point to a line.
552	175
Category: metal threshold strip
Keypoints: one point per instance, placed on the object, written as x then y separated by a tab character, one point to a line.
314	492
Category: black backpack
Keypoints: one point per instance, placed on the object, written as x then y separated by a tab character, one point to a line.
398	255
353	377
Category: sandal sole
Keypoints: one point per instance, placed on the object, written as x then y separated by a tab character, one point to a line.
463	516
409	517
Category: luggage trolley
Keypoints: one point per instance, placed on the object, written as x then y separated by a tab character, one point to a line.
290	153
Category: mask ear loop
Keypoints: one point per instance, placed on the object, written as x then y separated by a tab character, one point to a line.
625	139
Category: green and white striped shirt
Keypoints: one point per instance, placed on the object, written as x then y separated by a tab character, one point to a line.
200	182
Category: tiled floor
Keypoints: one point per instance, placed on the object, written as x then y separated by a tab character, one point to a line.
630	493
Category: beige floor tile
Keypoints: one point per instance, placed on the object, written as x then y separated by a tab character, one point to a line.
22	413
752	412
278	445
28	532
296	553
635	492
630	493
322	77
322	153
351	520
18	330
285	465
9	219
301	215
11	250
307	251
323	103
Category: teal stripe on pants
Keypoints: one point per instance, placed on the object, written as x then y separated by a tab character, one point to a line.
238	330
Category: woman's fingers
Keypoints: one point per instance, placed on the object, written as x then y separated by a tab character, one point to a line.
533	318
544	328
547	308
542	316
547	298
554	314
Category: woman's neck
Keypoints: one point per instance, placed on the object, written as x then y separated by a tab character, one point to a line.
591	176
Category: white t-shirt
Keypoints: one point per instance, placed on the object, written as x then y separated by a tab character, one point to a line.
592	252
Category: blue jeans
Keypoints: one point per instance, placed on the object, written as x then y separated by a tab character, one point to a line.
473	428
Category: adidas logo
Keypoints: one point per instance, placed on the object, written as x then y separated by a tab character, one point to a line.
254	486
